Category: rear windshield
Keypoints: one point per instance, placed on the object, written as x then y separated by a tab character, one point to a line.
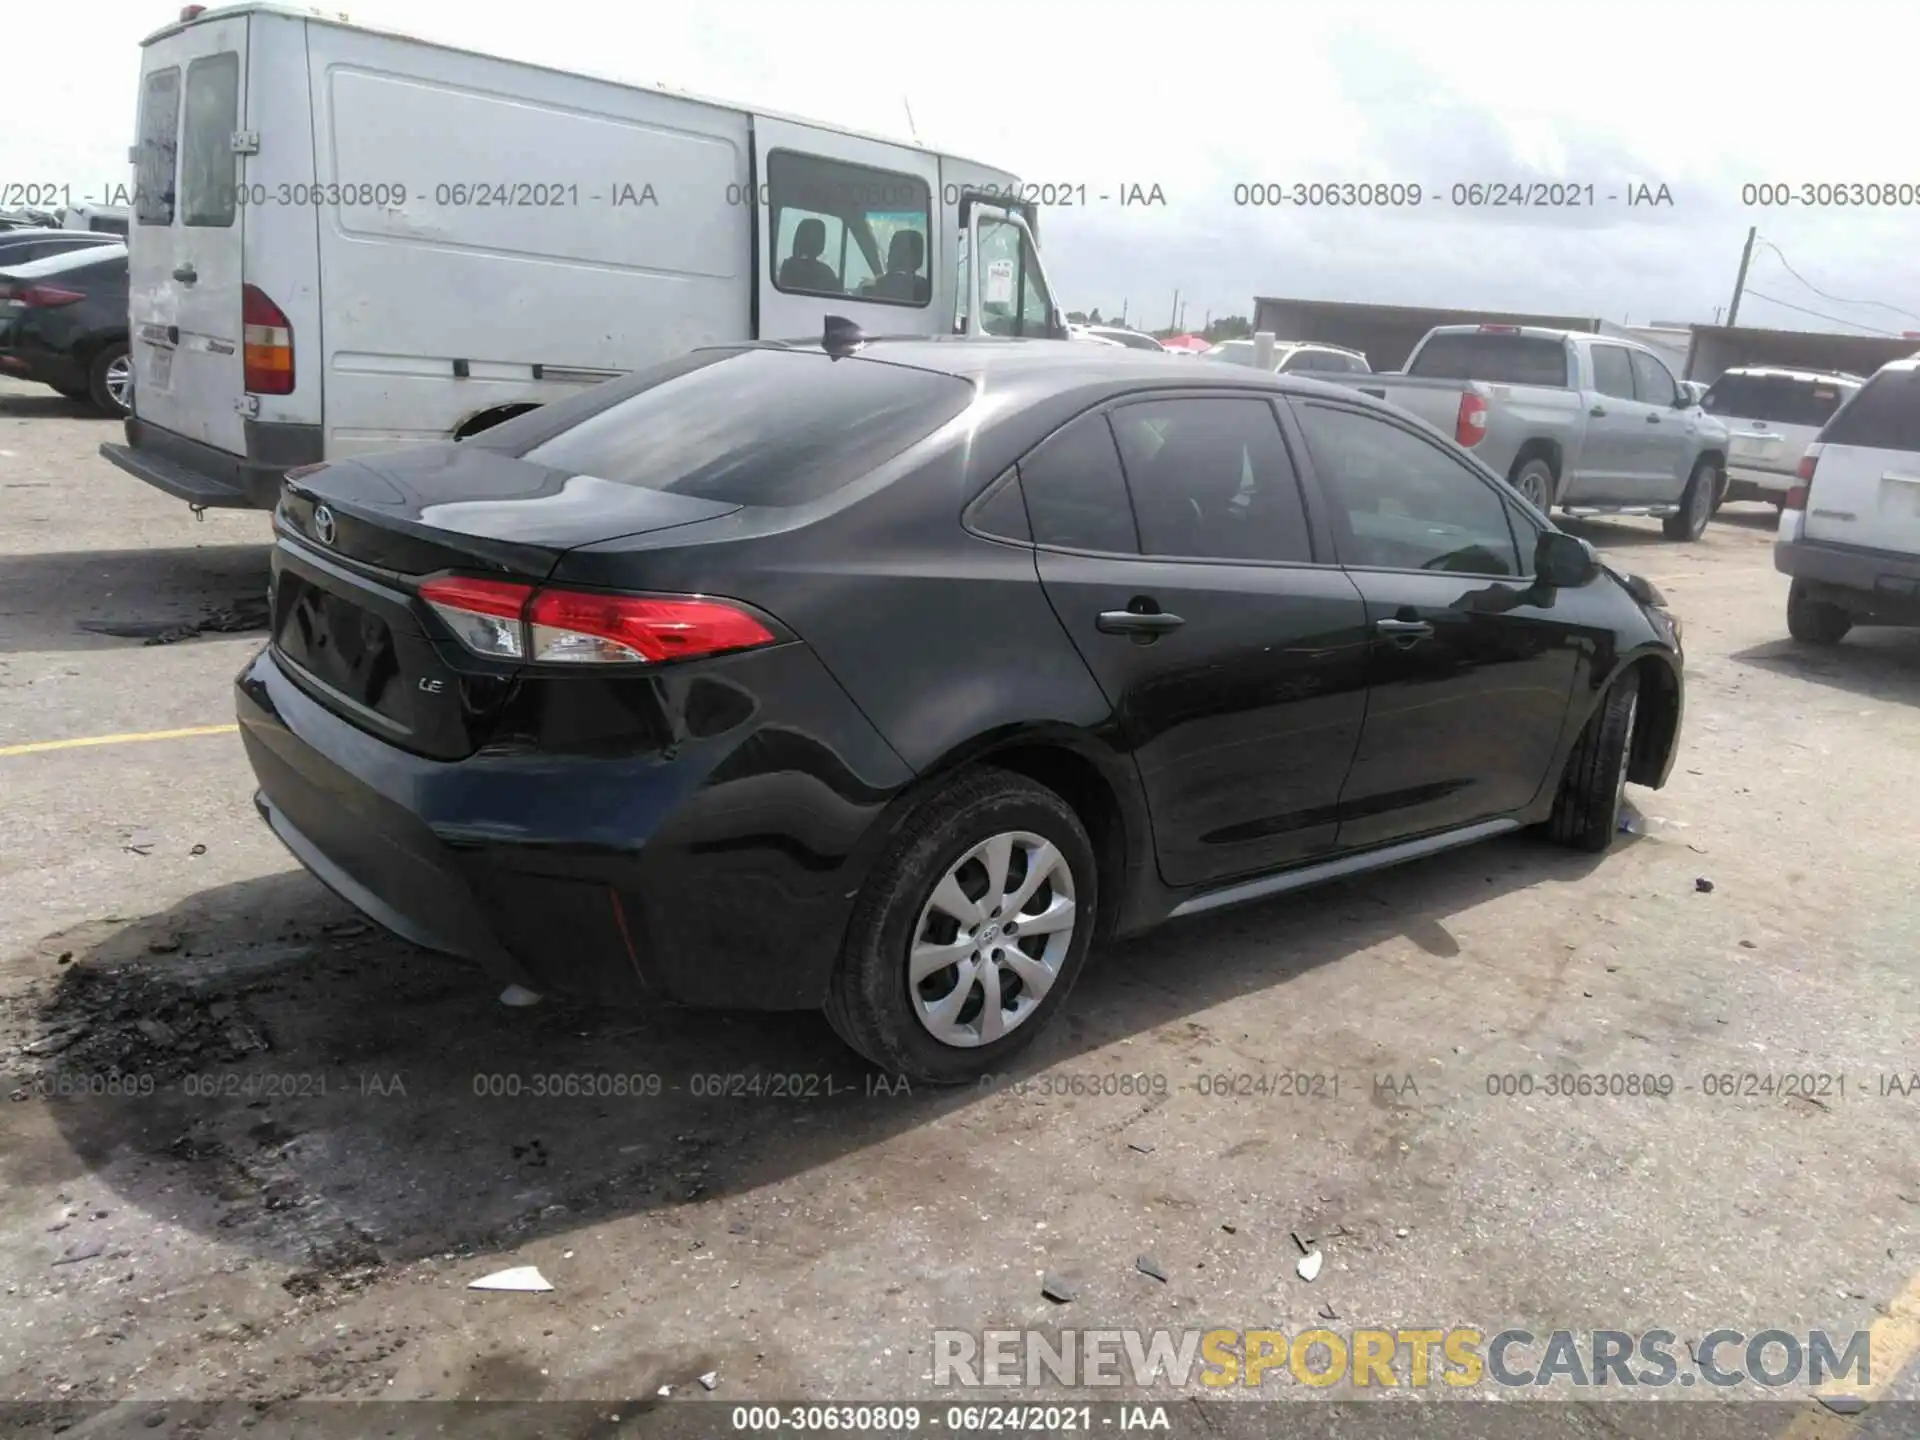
1885	415
1497	359
77	258
755	427
1780	399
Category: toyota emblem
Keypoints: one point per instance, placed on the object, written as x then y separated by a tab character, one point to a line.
323	524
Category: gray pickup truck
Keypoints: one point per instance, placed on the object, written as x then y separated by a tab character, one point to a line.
1583	423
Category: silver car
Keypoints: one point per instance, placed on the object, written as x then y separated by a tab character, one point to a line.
1771	416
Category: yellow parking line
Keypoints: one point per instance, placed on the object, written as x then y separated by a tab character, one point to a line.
37	746
1893	1340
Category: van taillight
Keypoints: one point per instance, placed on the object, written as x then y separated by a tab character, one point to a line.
1470	425
267	339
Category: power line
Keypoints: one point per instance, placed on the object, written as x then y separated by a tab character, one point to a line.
1831	319
1787	265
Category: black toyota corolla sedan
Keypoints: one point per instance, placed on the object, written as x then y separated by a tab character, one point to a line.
887	678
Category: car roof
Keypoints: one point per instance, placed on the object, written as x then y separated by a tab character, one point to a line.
1533	332
77	258
1047	366
43	232
1810	376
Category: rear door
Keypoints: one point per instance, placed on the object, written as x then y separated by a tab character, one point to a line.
1670	431
1613	455
1234	657
845	227
1866	487
185	240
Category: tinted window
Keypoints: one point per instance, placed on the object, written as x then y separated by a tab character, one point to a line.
826	212
1777	399
1498	359
206	156
1003	512
1613	371
1211	479
1885	415
1399	502
1076	495
153	161
1652	381
755	427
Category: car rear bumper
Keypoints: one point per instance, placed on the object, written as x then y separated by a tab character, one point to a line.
1876	586
1745	482
210	477
615	878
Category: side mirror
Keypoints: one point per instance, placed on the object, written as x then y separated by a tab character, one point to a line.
1682	401
1565	561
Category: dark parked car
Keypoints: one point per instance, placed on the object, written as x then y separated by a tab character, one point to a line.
886	682
63	322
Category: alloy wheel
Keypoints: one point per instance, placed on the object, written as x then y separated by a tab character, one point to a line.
120	381
991	939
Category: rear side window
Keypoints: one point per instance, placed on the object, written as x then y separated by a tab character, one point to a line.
1885	415
154	157
1778	399
1613	371
1497	359
1076	495
1211	479
206	155
756	427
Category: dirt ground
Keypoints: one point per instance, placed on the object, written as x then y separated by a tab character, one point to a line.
318	1155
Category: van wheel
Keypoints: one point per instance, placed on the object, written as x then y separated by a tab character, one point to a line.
1696	504
970	933
1815	622
110	379
1534	479
1586	812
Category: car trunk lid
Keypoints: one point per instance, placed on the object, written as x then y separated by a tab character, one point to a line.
358	537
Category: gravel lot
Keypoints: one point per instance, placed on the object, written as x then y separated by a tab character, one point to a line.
308	1230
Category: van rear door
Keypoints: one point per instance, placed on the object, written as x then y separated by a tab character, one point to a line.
184	243
1866	483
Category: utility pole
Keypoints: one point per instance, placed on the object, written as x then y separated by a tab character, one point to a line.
1173	320
1740	280
1123	311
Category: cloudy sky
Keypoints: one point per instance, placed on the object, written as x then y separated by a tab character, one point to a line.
1198	98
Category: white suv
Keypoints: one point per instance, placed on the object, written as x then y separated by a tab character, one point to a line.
1850	528
1290	357
1771	417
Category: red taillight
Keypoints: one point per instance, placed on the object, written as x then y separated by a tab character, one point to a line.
1807	463
1796	498
267	341
45	297
507	621
1470	425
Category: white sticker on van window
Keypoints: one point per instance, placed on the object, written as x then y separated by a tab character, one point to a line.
999	283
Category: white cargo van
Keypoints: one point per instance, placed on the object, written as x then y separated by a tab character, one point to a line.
346	240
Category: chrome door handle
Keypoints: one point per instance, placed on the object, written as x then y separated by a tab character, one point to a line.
1133	622
1409	629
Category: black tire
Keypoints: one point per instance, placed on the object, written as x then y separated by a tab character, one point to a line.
1697	503
1533	478
1815	622
1586	812
869	1002
98	389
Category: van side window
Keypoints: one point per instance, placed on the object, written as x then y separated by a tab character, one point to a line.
206	149
843	229
159	137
